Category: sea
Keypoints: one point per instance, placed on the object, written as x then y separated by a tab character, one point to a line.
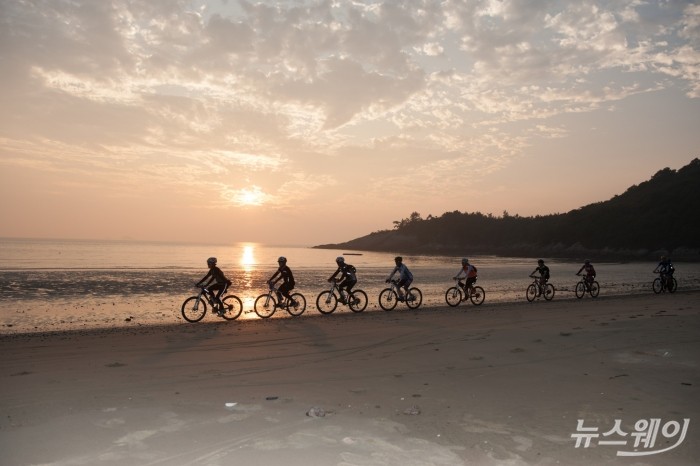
57	285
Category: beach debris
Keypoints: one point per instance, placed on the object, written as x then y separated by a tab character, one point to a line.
128	319
230	405
315	411
115	364
271	398
412	411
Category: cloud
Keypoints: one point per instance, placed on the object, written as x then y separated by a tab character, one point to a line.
263	90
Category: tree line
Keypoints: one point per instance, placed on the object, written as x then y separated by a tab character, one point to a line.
658	216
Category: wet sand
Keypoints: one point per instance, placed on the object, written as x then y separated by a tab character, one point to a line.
504	384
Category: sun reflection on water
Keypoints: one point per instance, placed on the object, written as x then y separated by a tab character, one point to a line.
248	259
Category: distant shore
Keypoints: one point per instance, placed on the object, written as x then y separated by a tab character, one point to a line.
562	252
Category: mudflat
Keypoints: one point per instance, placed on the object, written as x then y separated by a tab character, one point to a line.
540	383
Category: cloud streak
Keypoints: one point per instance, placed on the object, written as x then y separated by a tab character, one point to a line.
267	100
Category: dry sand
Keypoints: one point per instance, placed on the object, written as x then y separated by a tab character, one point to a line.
498	385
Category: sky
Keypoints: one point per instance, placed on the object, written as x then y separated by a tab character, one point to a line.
312	122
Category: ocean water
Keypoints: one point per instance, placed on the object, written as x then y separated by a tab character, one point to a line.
59	284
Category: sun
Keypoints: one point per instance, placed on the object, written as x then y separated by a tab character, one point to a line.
253	196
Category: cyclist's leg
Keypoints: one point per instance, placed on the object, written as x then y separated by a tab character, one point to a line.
219	289
399	285
349	284
469	286
282	292
289	296
406	286
285	289
342	290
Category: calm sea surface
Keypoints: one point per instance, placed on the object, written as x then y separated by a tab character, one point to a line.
53	276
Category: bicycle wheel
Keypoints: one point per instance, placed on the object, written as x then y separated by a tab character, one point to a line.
657	286
672	285
358	301
478	295
264	306
580	290
414	298
232	307
453	296
388	299
595	289
531	292
326	302
548	291
300	306
194	309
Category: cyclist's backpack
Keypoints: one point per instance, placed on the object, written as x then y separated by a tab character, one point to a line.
351	269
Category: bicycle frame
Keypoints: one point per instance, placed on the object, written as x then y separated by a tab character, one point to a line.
586	280
537	283
271	295
463	286
228	306
334	287
203	291
395	288
344	296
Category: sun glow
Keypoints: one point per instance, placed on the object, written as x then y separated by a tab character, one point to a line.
253	196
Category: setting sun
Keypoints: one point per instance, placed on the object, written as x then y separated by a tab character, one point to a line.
252	196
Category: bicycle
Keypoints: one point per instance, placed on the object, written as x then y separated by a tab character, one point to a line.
585	285
266	304
327	301
664	283
456	294
195	307
536	289
389	297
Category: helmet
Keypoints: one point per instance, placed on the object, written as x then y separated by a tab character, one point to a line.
586	261
340	259
282	260
465	261
663	258
398	259
540	261
211	261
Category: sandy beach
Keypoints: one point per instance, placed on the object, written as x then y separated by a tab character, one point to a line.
505	384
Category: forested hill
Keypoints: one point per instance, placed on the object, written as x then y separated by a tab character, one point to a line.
658	216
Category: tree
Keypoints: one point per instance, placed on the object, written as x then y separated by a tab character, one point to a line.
413	218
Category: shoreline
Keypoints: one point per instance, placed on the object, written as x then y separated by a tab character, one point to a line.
128	319
437	387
